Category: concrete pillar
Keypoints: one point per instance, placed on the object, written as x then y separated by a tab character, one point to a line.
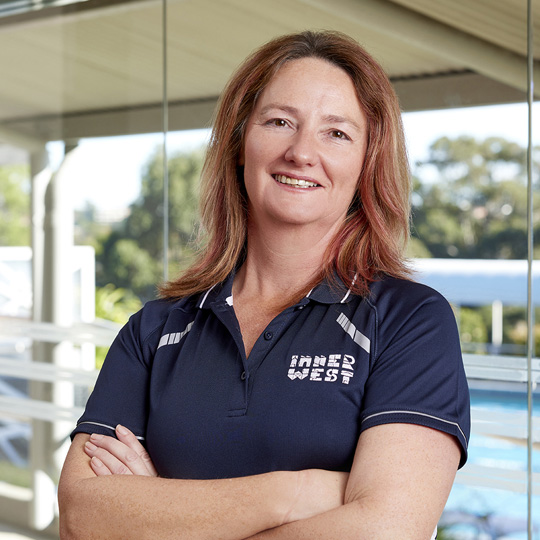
41	174
49	439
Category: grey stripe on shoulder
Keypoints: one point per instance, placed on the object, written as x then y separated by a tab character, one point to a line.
351	330
174	337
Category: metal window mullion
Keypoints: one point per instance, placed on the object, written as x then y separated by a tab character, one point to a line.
530	256
165	156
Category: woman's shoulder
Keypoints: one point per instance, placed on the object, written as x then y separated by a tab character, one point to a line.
162	307
406	296
153	316
391	286
407	312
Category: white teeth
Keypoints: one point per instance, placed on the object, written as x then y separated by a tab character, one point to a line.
282	179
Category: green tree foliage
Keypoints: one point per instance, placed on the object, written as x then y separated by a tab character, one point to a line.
515	331
470	199
114	304
131	256
473	326
443	533
14	205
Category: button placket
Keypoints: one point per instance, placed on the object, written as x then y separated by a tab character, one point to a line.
262	347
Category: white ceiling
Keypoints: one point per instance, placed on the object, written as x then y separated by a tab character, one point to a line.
96	67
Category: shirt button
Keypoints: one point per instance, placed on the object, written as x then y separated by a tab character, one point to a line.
243	376
268	336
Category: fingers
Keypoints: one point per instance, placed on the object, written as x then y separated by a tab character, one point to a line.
124	455
102	462
127	437
99	467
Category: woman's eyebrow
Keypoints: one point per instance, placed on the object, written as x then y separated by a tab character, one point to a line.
336	119
279	107
330	118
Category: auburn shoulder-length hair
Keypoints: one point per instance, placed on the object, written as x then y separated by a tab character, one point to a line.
373	237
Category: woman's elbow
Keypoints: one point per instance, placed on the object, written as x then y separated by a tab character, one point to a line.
73	511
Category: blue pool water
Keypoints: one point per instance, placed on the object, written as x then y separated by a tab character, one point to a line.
507	509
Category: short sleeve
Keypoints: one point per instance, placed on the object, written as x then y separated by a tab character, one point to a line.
417	374
120	395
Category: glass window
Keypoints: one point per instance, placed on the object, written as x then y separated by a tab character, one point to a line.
81	119
104	110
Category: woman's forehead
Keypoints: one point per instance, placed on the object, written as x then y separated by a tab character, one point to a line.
311	83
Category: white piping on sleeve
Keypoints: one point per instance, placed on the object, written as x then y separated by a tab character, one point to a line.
106	426
419	414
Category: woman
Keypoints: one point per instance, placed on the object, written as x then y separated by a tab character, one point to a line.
293	383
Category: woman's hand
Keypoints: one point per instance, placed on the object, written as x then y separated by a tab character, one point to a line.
124	455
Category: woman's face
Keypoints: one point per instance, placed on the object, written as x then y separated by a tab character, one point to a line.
304	147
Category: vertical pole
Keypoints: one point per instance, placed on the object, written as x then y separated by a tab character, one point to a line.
496	326
530	255
165	157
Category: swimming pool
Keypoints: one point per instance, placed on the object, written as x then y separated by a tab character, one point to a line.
502	512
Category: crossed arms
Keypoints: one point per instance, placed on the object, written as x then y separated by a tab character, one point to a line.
397	488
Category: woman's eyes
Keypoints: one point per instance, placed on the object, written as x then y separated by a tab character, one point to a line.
334	133
338	134
278	122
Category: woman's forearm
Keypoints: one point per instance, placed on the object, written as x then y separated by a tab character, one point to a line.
125	507
398	486
120	506
356	520
353	521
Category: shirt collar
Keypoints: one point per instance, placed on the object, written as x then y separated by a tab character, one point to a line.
327	292
220	293
331	291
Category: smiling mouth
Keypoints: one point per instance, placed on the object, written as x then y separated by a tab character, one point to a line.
295	182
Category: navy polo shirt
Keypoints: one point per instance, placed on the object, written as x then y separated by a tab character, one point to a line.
323	371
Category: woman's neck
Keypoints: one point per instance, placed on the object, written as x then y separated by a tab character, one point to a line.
280	262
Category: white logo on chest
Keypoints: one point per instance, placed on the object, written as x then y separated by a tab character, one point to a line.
321	368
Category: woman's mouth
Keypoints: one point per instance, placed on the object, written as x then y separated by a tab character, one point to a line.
295	182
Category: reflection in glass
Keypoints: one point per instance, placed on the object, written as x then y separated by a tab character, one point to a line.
470	210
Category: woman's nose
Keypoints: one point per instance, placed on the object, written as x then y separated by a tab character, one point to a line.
302	149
